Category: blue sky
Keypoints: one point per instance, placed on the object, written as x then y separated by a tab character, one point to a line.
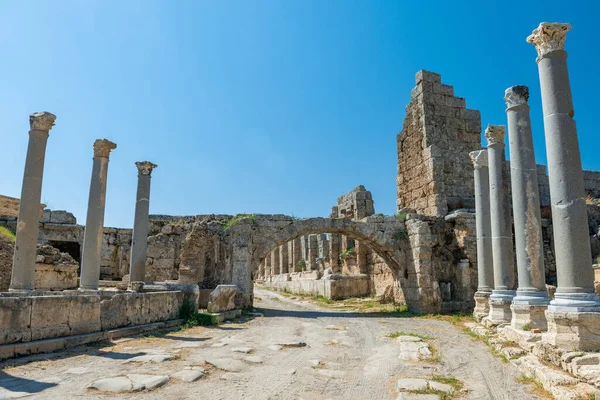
260	106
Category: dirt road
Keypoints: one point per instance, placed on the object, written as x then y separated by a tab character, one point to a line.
347	356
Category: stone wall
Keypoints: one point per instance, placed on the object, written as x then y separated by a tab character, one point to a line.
435	174
48	315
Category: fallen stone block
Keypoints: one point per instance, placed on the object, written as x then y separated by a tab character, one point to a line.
222	298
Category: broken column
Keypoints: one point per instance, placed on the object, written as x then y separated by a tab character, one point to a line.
139	245
334	252
574	314
502	246
485	265
532	299
23	269
94	224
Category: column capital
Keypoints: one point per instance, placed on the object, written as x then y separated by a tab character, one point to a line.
548	37
41	121
102	147
495	134
479	158
516	96
145	167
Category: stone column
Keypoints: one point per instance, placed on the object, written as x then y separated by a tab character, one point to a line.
361	256
334	252
575	306
28	223
532	299
268	266
261	271
94	223
313	249
502	244
275	261
139	245
284	258
485	264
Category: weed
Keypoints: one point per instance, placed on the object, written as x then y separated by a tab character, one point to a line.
192	318
345	253
300	265
538	388
396	334
402	216
233	221
8	233
526	327
598	260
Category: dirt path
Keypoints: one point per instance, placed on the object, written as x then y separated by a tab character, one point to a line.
347	356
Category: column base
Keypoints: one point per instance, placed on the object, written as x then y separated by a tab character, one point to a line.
528	316
482	305
575	302
573	331
500	313
87	289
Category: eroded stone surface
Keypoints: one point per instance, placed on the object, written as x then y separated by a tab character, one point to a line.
129	383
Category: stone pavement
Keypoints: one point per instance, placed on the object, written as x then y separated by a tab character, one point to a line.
295	351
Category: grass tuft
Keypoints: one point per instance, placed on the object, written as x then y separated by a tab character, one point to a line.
8	233
397	334
235	220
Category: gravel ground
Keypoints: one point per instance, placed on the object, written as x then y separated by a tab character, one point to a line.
347	356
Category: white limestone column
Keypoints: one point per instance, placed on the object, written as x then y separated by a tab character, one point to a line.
283	258
23	269
575	307
275	261
94	225
139	244
532	298
485	263
502	244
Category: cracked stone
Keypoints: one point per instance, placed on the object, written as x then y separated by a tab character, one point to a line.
227	364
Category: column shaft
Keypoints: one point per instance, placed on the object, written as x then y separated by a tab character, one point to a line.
94	225
23	270
139	245
284	258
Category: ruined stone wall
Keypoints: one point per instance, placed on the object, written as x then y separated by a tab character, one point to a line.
435	174
591	182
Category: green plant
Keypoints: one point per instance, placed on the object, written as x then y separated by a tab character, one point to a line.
402	216
598	260
399	234
397	334
8	233
345	253
233	221
192	318
300	265
526	327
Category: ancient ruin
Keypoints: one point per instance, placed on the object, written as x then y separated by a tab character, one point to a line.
450	248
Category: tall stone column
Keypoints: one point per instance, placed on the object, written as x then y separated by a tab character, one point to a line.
502	244
313	249
361	256
268	266
139	245
94	223
334	252
275	261
532	299
284	258
290	259
575	306
297	254
23	269
485	264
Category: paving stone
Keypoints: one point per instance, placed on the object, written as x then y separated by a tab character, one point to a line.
414	351
227	364
190	374
331	373
254	359
77	371
148	382
275	347
442	387
129	383
406	384
153	358
417	396
314	363
408	339
218	345
245	350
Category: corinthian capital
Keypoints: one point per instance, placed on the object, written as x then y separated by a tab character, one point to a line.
479	158
516	96
145	167
548	37
102	147
495	134
41	121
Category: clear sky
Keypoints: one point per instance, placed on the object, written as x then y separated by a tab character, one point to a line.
260	106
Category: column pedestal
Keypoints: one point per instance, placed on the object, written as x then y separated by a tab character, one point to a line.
482	305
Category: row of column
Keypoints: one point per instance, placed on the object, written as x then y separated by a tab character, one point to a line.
575	290
23	271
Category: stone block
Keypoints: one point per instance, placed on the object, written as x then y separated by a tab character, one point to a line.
528	316
15	319
62	217
222	298
49	316
55	276
573	331
84	314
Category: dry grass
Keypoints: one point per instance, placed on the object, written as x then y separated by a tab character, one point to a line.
591	200
7	233
537	388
